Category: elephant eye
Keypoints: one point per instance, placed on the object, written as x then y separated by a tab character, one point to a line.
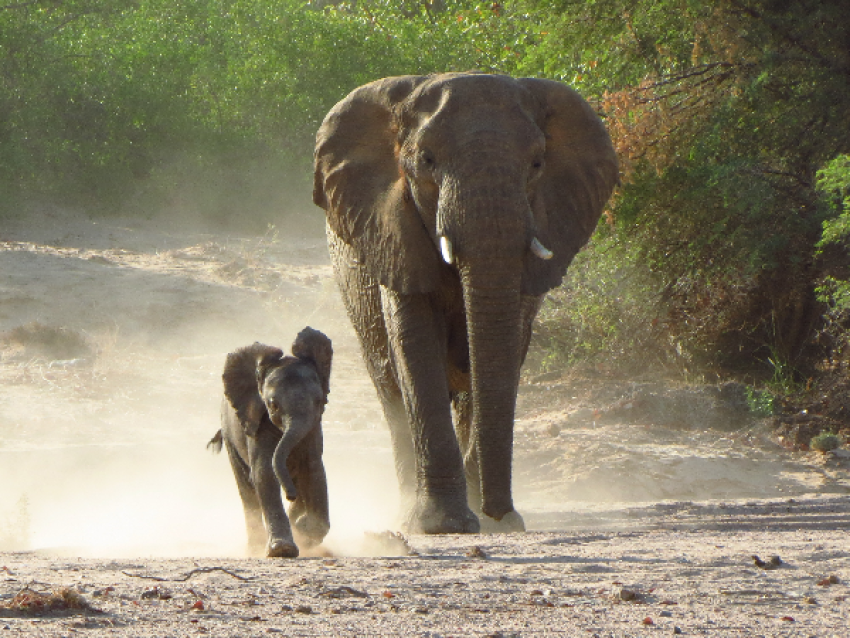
426	158
274	406
536	170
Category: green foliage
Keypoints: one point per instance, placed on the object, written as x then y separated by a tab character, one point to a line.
834	184
606	313
722	114
825	442
209	105
761	403
606	45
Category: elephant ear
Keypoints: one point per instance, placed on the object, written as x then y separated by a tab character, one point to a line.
579	174
359	182
312	345
243	371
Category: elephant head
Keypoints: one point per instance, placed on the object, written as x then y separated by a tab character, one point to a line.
498	182
288	391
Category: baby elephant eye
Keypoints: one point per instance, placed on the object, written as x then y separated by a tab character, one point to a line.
426	158
273	405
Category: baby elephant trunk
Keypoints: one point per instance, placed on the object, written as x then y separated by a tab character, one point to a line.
293	433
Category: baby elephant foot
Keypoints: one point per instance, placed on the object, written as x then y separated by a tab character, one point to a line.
510	522
279	548
438	516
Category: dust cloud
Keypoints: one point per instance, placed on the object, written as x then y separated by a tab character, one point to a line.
112	340
113	335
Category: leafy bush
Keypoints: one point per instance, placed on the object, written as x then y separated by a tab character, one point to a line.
209	106
608	312
761	403
825	442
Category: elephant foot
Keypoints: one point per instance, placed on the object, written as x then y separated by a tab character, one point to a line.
310	530
429	516
278	548
510	522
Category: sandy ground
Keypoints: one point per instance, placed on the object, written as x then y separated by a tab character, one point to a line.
114	520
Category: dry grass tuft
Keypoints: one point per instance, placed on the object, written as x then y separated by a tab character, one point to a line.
34	603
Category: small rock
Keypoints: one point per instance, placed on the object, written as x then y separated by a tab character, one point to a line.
476	552
832	579
304	609
677	630
773	563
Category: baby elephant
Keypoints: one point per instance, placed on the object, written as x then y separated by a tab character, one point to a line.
271	425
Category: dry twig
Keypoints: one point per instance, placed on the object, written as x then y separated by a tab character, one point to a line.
199	570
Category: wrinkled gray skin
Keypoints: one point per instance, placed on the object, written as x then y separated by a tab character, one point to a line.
454	202
272	428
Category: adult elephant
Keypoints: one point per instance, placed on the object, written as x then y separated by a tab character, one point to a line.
504	179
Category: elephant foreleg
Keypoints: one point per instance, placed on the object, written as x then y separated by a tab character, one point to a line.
309	513
362	297
279	533
418	354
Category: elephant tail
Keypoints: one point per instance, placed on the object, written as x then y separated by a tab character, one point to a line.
215	443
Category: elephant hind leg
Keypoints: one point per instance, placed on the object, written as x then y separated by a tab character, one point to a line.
250	502
462	405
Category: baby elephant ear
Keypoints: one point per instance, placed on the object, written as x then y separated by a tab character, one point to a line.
241	379
312	345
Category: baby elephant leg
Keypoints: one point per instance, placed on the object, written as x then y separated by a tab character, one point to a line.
309	512
280	543
250	502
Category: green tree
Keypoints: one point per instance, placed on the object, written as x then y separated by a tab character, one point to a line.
721	113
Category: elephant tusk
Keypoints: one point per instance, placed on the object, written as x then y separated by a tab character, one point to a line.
446	250
540	250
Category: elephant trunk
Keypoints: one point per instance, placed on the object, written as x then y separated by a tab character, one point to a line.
492	227
294	431
493	311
